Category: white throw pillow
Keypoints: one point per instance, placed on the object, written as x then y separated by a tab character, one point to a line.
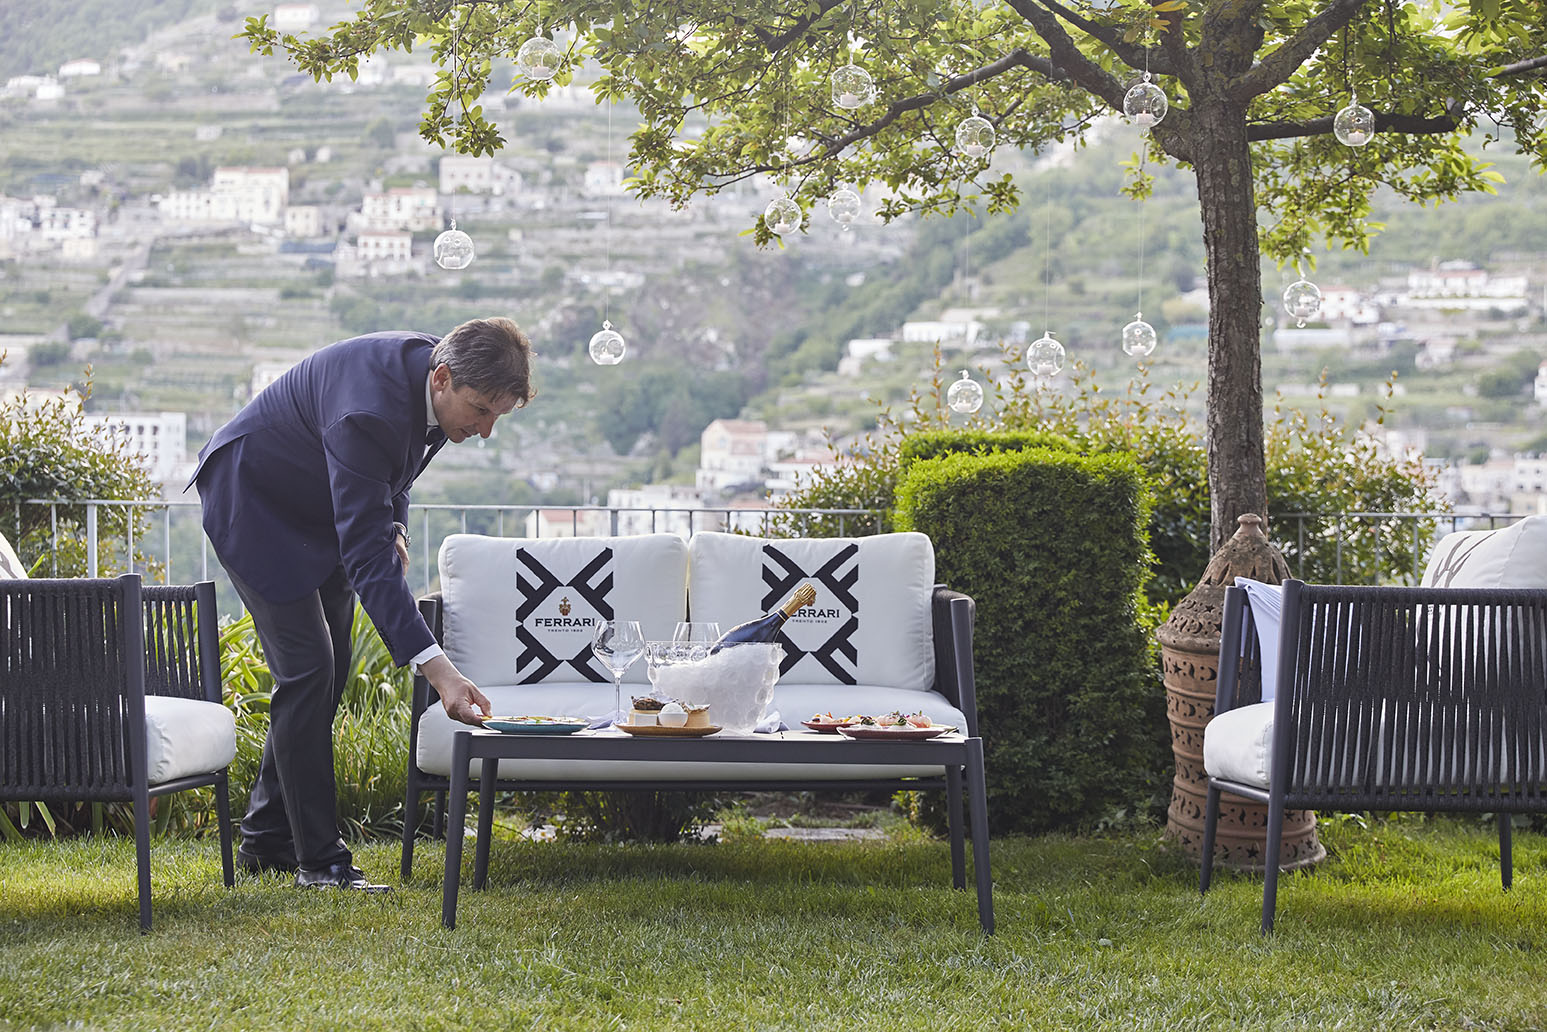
870	623
10	566
1267	605
522	610
1509	557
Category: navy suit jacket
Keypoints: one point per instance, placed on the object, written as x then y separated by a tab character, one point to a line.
311	474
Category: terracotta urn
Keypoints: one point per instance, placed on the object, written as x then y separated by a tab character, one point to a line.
1189	652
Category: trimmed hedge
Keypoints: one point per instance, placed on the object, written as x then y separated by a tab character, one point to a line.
1053	547
931	444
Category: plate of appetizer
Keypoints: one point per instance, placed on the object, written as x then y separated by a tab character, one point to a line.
536	725
827	723
663	731
894	726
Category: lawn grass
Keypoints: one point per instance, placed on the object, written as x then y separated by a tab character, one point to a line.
1404	927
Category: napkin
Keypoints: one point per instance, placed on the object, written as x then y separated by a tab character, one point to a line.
769	724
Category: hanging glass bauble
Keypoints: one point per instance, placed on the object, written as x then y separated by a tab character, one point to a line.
607	345
453	249
782	215
843	206
1139	337
1045	357
1354	125
853	87
539	58
1145	103
975	136
965	395
1302	300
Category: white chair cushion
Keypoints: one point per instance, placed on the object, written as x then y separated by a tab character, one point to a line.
870	623
1238	744
794	703
1510	557
521	610
184	737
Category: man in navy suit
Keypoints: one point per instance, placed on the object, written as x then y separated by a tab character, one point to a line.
305	498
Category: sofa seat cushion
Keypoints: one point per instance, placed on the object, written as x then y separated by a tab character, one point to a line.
522	610
1238	744
794	702
871	622
184	737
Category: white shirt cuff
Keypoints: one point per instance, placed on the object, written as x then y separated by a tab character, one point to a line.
425	656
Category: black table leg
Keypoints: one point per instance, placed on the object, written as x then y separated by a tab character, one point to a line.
953	805
448	906
977	794
488	768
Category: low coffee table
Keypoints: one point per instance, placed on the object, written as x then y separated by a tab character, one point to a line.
957	754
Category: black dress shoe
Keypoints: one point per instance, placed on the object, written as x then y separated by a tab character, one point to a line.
262	863
342	875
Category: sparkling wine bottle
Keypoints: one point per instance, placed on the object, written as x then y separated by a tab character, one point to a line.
765	627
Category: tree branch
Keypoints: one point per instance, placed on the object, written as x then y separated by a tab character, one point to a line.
1112	39
1066	57
776	43
1276	68
1522	67
1412	125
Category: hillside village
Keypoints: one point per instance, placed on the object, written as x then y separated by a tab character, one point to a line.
229	271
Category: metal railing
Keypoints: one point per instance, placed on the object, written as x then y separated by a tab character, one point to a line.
174	547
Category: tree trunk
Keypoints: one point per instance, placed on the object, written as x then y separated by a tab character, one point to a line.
1237	467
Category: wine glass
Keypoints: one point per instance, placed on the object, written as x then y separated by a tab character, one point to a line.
700	634
617	644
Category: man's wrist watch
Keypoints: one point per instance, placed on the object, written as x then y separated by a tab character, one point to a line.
402	531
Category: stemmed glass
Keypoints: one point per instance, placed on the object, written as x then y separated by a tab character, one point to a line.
617	644
697	633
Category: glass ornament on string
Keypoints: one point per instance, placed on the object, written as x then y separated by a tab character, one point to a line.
1354	125
1139	337
965	395
453	249
1045	356
607	345
852	87
843	206
782	215
1302	300
1145	103
539	58
975	135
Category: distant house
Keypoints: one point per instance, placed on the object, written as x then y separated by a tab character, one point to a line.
303	220
236	194
291	17
81	66
731	452
551	523
405	207
1459	284
1541	384
160	439
603	178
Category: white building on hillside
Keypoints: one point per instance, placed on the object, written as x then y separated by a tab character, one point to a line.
1458	284
953	333
562	523
159	438
292	17
253	195
662	509
303	220
1540	389
81	66
404	207
863	349
731	453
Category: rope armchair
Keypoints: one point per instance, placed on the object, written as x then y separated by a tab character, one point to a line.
1384	698
110	692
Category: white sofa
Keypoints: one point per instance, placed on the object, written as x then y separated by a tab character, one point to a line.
515	616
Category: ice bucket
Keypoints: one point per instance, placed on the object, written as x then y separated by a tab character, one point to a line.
737	681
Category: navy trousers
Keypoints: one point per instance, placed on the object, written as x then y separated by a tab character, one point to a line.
293	809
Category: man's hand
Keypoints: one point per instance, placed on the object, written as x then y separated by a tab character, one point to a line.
460	697
400	542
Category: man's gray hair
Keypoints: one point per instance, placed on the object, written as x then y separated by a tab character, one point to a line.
490	356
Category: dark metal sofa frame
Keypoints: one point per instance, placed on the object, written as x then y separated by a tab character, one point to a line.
77	659
1392	699
952	615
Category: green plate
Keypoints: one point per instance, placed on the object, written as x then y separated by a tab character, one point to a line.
534	726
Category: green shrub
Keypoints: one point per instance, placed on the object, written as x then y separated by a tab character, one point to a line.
1070	704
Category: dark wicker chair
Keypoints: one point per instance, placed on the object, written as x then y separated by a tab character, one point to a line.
1425	699
77	659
